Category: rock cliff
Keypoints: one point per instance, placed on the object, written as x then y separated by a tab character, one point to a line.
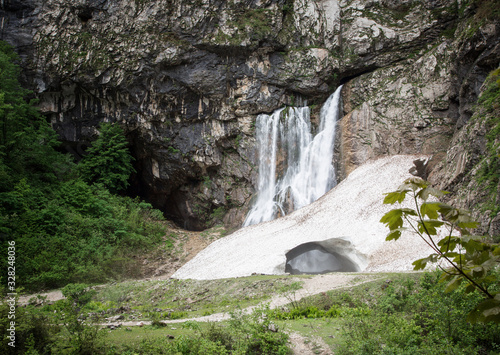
186	79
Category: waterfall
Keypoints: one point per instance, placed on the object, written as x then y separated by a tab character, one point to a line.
295	167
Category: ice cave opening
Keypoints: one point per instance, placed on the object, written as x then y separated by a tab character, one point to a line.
332	255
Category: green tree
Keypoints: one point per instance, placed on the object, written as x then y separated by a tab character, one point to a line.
108	161
27	141
471	259
81	335
65	230
19	118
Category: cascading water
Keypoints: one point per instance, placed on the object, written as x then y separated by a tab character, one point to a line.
295	168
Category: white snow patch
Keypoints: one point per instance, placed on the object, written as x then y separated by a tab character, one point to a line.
352	211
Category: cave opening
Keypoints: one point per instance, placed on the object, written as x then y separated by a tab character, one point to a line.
333	255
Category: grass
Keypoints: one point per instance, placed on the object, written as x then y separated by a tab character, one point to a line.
405	311
179	299
132	337
328	330
397	313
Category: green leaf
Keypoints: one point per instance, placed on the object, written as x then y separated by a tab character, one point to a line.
470	288
448	243
394	234
459	259
496	250
414	183
447	211
396	196
471	224
408	211
429	226
453	284
393	219
473	246
448	276
430	191
486	311
478	272
420	264
477	238
430	209
457	216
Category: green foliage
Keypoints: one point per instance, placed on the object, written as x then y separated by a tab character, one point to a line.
108	160
405	314
79	294
207	182
472	259
245	334
62	329
304	311
249	24
173	150
287	7
33	330
324	307
65	229
257	334
15	112
217	214
79	334
289	292
90	228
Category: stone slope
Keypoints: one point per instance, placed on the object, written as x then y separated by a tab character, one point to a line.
351	210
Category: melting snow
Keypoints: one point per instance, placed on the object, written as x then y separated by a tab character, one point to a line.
352	211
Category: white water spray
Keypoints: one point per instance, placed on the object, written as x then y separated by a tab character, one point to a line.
295	168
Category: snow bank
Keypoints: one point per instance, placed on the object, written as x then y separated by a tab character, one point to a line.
351	211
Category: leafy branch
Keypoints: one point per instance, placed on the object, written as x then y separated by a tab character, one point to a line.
471	258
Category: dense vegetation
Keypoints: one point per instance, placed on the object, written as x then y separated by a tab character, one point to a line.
65	220
394	314
409	314
463	257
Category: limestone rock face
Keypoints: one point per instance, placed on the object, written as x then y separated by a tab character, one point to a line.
401	109
186	79
424	104
469	169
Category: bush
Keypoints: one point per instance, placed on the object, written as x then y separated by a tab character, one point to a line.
108	160
410	317
66	228
472	260
33	331
245	334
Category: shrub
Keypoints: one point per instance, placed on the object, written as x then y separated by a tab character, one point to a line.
470	259
108	161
